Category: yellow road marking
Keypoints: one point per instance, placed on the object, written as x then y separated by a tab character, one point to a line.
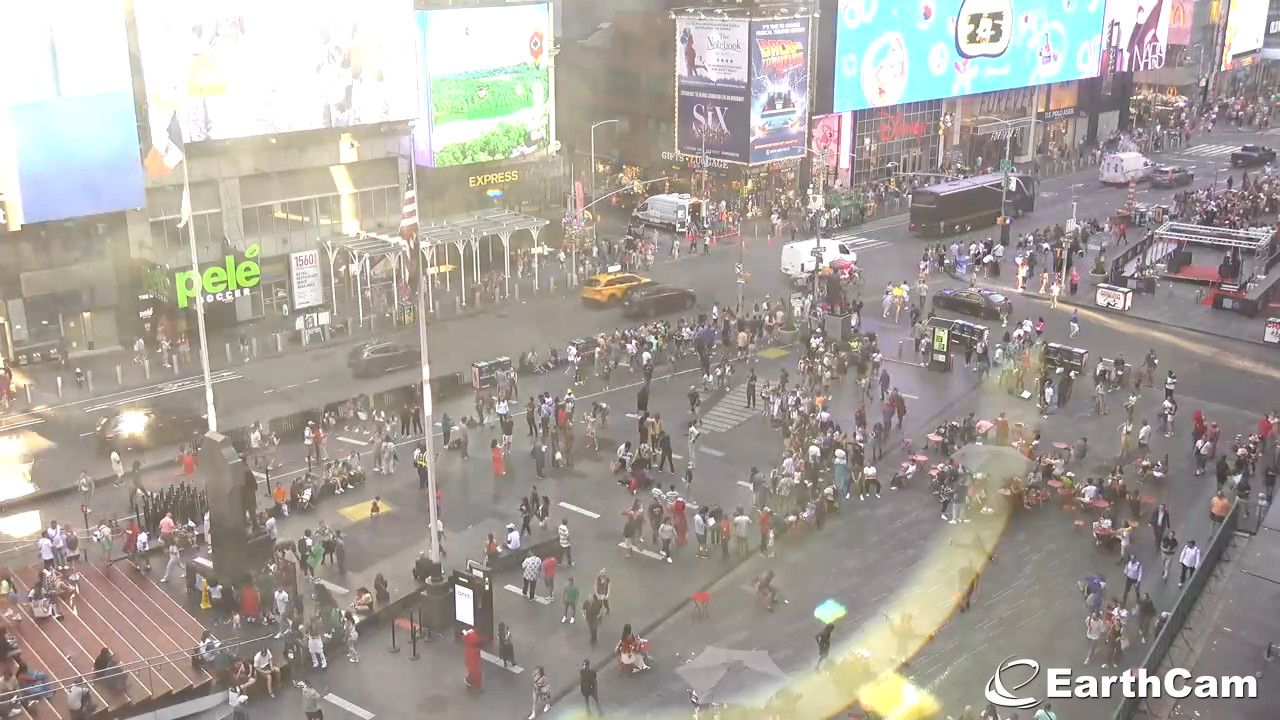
360	511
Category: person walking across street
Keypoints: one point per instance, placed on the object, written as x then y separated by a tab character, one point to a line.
588	684
566	548
823	639
541	693
530	570
1189	560
570	598
1132	578
1168	549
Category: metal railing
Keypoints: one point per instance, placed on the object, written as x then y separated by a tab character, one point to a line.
1182	607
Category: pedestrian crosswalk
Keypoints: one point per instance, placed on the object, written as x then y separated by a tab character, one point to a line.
1207	150
852	239
730	412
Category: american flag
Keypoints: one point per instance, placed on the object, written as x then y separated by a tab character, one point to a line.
409	215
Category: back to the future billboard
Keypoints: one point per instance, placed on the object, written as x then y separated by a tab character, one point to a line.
779	89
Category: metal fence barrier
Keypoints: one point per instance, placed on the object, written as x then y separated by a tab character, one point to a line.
1181	609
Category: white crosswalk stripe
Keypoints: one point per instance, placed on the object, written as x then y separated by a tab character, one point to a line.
730	412
1272	131
858	243
1207	150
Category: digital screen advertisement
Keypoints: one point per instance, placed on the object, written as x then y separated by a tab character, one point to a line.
1246	30
1181	15
713	109
779	89
1138	32
237	69
486	82
68	129
831	137
960	47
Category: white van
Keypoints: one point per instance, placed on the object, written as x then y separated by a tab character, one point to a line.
669	210
798	259
1125	167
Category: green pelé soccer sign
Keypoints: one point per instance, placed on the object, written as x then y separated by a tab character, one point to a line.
220	283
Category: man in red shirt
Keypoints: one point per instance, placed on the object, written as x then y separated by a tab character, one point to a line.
549	576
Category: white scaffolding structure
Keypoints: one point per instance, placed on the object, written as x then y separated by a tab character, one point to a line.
464	233
1258	242
361	249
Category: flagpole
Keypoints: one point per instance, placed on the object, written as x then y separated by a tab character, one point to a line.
436	591
210	410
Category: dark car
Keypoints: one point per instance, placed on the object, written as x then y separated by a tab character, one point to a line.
133	428
656	300
1170	176
1250	155
973	301
380	356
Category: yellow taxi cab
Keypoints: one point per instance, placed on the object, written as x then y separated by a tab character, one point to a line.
609	288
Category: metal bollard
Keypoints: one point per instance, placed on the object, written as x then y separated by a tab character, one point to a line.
230	357
146	367
119	375
899	349
28	387
253	348
393	649
516	292
88	379
457	305
413	636
350	326
279	342
174	362
59	379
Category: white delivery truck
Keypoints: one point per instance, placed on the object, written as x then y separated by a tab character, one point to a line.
799	258
669	210
1123	168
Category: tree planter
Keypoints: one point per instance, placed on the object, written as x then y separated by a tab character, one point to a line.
786	337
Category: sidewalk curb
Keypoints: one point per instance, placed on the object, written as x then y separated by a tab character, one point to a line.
1067	300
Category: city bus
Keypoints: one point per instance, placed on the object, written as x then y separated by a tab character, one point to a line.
969	203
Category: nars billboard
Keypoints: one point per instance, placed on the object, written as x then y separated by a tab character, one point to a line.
1136	33
779	89
890	52
712	94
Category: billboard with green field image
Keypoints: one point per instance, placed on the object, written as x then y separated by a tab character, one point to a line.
486	83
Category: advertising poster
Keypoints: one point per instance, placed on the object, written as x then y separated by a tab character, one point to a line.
831	137
1246	29
305	279
779	89
713	109
960	48
239	69
68	130
1138	32
1181	15
486	82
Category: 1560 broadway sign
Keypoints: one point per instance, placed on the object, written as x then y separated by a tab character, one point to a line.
220	283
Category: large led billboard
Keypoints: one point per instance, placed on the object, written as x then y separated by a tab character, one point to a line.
68	130
713	100
1246	29
485	78
779	89
242	68
1136	34
1181	16
890	52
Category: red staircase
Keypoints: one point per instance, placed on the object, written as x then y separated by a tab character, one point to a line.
117	608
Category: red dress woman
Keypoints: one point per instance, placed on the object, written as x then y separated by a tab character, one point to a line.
499	462
249	607
681	522
471	642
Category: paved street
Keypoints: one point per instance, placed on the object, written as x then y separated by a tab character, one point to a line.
891	555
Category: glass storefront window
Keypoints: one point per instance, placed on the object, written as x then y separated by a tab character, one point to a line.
900	139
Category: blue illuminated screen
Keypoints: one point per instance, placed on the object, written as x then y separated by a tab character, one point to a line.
890	52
